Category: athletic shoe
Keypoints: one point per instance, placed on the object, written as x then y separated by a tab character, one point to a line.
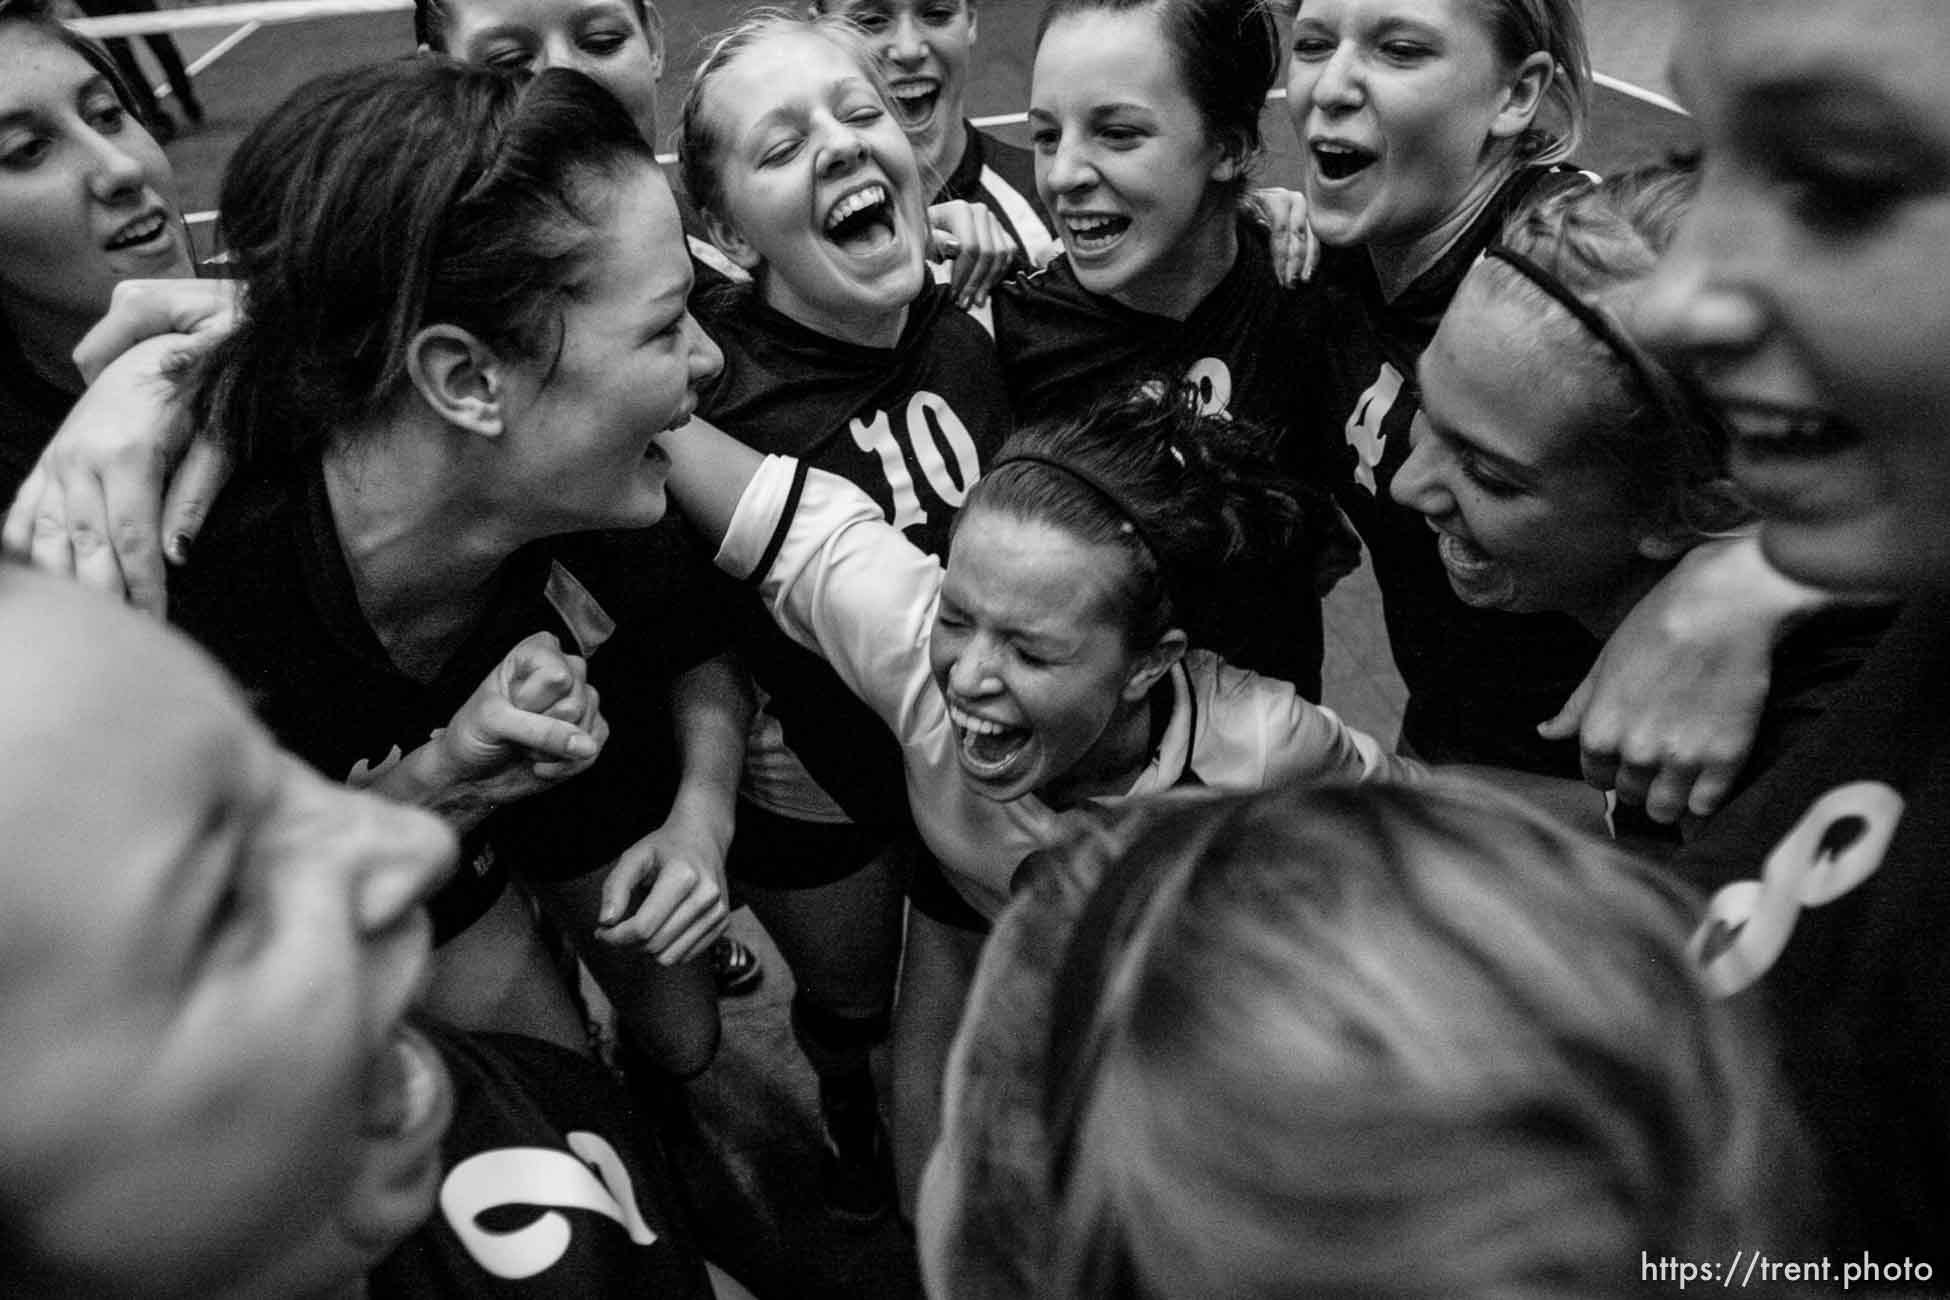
857	1168
735	967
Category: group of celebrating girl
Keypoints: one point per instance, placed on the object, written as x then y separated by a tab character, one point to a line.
1024	473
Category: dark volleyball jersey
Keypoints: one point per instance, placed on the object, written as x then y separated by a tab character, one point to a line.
1810	668
1064	347
1829	891
270	596
1479	681
31	409
548	1187
1002	178
913	426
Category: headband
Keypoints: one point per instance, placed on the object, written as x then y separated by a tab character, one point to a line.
1655	379
1102	489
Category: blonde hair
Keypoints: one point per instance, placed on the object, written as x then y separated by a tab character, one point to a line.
1656	429
1520	28
1375	1041
699	148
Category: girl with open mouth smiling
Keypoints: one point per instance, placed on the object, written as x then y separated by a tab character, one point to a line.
1807	285
1053	662
218	1083
398	534
1428	125
1145	122
87	200
924	47
1563	468
841	351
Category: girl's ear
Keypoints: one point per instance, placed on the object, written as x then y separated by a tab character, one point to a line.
729	242
1231	162
1523	95
1153	664
1704	510
459	378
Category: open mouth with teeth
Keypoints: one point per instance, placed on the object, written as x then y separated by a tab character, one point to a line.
1474	574
863	221
1462	559
139	232
915	101
1337	162
1763	431
987	748
407	1095
1090	233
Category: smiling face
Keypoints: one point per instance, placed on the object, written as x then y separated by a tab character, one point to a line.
1808	283
86	197
1124	162
1041	683
820	194
208	952
602	39
924	48
581	418
1531	514
1405	112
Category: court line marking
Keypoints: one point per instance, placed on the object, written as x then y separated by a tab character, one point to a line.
224	46
202	62
1640	93
264	12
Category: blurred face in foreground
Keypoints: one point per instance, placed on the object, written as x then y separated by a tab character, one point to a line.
1809	284
209	952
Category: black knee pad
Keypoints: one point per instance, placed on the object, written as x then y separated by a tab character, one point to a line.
636	1063
831	1032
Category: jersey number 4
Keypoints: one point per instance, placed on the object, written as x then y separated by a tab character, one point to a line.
1364	432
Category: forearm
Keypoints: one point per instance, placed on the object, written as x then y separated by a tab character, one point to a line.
424	779
1733	574
711	709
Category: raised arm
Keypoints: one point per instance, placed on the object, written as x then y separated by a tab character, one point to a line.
834	574
709	471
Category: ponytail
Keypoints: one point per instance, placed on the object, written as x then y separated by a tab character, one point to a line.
1192	500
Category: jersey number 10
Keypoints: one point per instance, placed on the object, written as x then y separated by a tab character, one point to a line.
931	432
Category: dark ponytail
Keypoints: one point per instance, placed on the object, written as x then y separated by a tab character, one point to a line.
1191	499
